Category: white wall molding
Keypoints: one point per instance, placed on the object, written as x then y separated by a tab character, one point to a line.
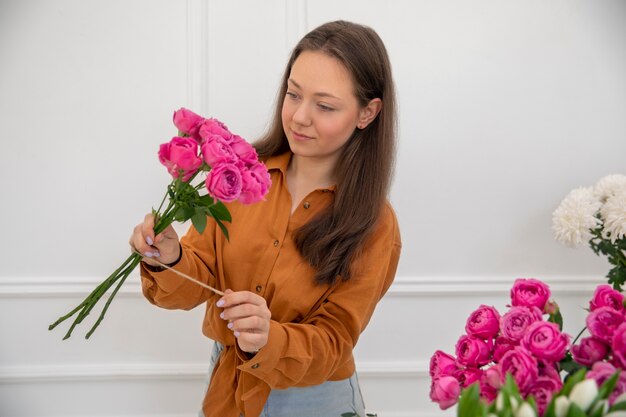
402	287
296	21
168	371
198	56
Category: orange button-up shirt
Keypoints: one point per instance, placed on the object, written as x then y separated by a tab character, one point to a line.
313	329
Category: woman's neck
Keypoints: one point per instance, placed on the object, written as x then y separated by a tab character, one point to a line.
305	175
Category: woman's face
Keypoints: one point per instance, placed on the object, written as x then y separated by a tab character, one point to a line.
320	111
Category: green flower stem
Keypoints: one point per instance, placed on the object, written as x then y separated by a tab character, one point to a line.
125	275
90	298
178	191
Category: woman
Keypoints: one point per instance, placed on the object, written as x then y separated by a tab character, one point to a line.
303	270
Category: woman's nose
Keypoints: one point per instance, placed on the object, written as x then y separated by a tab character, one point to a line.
302	114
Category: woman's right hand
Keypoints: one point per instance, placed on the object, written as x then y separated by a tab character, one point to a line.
163	247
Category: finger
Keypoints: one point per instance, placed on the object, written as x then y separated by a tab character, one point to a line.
168	233
252	324
240	311
240	297
138	243
147	229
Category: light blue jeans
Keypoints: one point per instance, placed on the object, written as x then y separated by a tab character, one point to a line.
330	399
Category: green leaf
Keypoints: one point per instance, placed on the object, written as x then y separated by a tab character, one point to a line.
575	411
607	386
222	227
569	365
183	214
618	407
199	220
219	211
557	318
469	402
573	379
206	200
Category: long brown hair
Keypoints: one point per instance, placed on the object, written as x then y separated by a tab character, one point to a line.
332	240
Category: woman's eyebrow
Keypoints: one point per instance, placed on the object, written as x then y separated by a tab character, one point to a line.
319	94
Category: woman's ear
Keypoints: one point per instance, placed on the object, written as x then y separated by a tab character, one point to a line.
369	113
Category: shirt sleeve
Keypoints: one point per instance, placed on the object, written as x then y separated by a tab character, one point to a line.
168	290
309	352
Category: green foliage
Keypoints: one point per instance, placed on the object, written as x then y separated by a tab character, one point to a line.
615	255
470	404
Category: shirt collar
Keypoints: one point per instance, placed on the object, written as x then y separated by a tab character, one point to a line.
281	162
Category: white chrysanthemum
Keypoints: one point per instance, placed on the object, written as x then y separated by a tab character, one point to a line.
575	217
613	214
609	186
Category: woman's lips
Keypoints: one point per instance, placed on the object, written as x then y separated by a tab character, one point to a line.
300	136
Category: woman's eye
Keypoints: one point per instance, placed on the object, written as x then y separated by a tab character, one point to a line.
291	94
324	107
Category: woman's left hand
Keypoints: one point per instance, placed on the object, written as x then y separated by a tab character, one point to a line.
248	317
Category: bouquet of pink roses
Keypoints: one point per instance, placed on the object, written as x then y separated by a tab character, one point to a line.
511	365
526	342
233	172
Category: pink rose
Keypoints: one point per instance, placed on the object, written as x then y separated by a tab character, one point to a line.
490	383
544	340
618	344
501	346
589	351
256	183
606	296
521	365
244	150
224	182
187	122
442	364
483	323
529	293
213	127
548	369
445	391
600	372
471	351
515	322
542	390
467	376
180	157
602	323
217	150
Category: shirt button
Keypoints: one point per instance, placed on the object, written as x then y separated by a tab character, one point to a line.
306	205
255	366
258	288
276	243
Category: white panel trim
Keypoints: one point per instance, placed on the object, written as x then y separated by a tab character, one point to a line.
402	287
169	371
198	56
296	20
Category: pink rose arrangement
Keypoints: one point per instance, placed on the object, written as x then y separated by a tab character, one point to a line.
603	352
526	342
233	173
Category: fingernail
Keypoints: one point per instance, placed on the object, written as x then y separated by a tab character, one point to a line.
156	254
220	303
149	240
222	315
236	333
230	325
148	254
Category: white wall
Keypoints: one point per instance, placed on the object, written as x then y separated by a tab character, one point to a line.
504	106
